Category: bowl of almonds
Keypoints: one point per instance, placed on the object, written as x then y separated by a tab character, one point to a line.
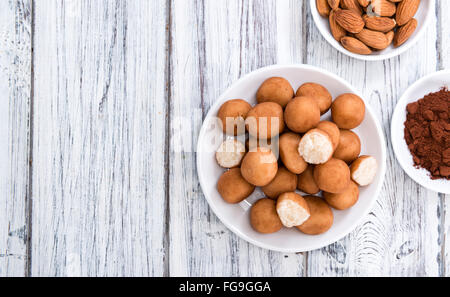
372	30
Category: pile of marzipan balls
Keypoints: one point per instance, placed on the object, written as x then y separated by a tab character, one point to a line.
315	156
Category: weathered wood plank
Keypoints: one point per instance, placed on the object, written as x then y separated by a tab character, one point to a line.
401	235
99	138
213	44
15	90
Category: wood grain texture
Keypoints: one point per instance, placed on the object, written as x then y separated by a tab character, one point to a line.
99	138
213	44
15	88
401	235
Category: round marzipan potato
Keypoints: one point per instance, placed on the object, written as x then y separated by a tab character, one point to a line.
321	219
264	218
318	93
259	168
344	200
230	153
306	182
364	170
232	115
265	120
302	114
332	130
275	89
289	153
233	187
316	147
349	147
348	111
285	181
333	176
292	209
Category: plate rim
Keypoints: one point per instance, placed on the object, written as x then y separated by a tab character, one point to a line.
397	142
342	234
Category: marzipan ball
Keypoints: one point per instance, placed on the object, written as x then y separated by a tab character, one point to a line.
349	147
264	218
333	176
284	182
333	131
233	187
307	183
316	147
292	209
232	114
348	111
289	153
364	170
321	219
344	200
230	154
275	89
265	120
318	93
259	168
302	114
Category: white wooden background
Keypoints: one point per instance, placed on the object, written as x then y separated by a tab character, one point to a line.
90	96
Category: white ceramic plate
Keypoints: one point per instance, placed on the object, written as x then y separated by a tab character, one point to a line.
423	16
417	91
236	217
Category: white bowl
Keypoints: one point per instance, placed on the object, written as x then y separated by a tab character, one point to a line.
236	217
429	84
423	16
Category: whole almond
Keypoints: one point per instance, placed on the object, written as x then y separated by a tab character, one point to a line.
382	24
383	8
336	30
334	4
323	8
404	32
349	20
355	46
406	10
364	3
374	39
352	5
390	36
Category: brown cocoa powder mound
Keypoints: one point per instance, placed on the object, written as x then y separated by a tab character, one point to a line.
427	133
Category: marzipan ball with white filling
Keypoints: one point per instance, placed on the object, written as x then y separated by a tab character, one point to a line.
292	210
233	187
232	115
364	170
230	153
316	147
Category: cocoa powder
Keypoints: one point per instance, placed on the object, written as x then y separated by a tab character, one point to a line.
427	133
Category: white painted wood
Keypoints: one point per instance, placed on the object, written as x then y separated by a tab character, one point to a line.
401	235
15	89
213	44
99	138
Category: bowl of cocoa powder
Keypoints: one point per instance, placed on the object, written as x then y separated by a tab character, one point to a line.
421	132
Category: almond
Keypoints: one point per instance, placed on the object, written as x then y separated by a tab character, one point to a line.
382	8
349	20
374	39
390	36
405	32
337	31
382	24
406	10
364	3
355	46
323	8
334	4
352	5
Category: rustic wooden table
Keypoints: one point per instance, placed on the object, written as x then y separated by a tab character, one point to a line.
91	93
